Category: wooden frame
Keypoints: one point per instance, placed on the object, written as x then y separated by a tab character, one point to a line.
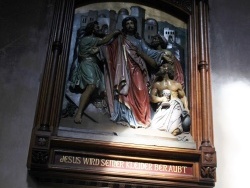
59	159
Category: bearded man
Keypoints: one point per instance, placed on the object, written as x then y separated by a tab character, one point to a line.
127	57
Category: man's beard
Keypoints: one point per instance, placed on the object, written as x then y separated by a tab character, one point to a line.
130	30
166	72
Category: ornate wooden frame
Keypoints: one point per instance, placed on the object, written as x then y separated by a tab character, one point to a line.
46	148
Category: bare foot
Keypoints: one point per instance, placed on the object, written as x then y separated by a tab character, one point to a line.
78	118
176	132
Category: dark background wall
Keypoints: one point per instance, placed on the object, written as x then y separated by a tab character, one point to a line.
24	31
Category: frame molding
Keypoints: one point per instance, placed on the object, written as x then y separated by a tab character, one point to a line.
45	145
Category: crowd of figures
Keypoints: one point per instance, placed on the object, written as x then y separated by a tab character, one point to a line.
141	84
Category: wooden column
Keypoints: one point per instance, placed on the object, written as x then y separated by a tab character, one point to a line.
53	83
208	157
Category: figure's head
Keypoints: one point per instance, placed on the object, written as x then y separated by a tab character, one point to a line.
105	29
129	25
93	28
158	40
166	69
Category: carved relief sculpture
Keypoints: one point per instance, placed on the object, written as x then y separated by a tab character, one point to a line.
125	98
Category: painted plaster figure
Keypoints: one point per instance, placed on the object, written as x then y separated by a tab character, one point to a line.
172	101
87	75
160	43
127	57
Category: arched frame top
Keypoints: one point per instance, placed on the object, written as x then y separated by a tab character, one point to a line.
180	9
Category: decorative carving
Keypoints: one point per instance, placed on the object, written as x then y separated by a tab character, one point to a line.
44	127
42	141
208	157
208	172
40	157
208	163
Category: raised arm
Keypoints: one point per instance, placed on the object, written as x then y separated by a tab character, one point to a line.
147	59
107	38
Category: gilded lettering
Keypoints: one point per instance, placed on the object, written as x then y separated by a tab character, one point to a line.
170	168
117	164
160	168
103	162
175	168
123	164
156	167
85	160
94	162
70	159
179	169
150	167
91	161
184	169
128	164
77	160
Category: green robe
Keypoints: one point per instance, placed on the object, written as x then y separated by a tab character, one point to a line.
88	72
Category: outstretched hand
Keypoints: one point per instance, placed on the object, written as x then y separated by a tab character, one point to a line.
117	32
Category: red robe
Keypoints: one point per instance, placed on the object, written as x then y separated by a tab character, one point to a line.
128	77
178	72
